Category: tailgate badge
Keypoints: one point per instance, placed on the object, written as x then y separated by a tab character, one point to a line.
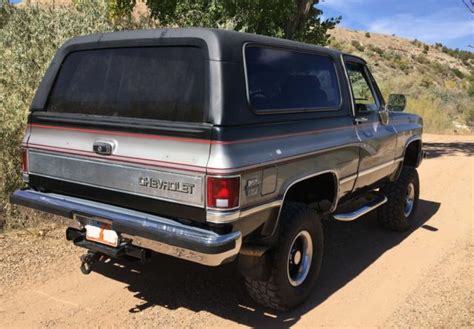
103	148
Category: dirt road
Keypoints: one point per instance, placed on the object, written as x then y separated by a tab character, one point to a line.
370	277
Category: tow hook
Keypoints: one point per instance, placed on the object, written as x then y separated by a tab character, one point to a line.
88	259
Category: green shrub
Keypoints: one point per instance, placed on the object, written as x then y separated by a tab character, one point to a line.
458	73
469	115
470	90
404	67
422	59
367	34
416	43
377	50
357	45
29	37
333	43
435	119
463	55
426	48
396	56
439	69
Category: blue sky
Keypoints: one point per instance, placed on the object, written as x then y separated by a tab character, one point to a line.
431	21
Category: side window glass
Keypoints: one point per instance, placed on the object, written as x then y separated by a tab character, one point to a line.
364	97
287	80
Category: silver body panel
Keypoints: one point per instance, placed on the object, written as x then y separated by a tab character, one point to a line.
176	187
273	163
152	166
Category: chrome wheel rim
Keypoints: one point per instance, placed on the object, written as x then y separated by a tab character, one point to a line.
409	199
300	257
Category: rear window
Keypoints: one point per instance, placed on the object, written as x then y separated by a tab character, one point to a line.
161	83
281	79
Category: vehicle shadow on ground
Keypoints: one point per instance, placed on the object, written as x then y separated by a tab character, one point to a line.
435	150
171	283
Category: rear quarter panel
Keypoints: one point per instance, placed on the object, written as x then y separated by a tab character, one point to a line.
291	151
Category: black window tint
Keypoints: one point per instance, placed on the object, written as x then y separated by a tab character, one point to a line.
163	83
282	79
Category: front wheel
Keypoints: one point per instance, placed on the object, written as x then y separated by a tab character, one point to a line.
399	212
296	260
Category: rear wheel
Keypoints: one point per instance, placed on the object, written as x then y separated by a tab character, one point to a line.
296	260
400	210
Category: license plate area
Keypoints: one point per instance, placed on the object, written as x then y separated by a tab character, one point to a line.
99	230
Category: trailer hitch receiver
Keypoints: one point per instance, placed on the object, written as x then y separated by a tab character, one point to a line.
88	259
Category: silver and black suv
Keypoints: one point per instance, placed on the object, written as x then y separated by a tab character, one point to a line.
214	146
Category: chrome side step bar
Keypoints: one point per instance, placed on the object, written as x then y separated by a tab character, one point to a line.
368	207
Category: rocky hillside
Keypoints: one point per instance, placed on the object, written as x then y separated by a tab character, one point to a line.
438	81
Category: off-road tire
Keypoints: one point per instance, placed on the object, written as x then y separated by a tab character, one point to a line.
277	292
391	215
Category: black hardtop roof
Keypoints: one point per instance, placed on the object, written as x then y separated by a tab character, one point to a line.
222	45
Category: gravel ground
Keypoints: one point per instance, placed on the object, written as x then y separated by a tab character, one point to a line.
445	297
27	254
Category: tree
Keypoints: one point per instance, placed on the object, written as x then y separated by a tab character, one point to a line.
469	4
291	19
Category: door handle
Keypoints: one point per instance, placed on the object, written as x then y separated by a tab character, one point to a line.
103	147
361	120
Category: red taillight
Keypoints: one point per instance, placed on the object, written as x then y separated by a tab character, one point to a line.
223	192
24	160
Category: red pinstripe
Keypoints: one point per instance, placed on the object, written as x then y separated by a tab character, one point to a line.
191	140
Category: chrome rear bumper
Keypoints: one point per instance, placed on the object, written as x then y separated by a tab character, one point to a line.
147	231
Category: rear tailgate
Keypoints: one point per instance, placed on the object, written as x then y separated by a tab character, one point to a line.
126	121
167	168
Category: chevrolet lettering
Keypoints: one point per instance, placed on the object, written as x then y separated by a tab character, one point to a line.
215	146
167	186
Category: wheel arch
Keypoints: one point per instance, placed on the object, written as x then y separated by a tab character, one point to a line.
412	155
301	184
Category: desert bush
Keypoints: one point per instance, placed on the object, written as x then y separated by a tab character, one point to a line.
438	105
333	43
435	119
470	90
439	68
28	39
426	48
367	34
357	45
422	59
469	115
460	54
457	73
416	43
404	67
377	50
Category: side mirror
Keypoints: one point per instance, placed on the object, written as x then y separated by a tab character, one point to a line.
396	102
